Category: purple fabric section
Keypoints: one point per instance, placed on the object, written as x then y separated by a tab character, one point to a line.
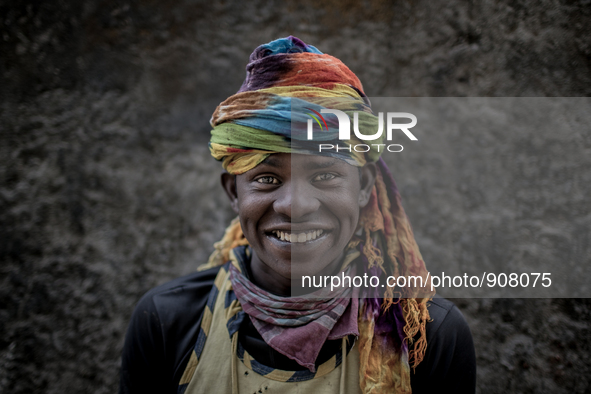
268	63
399	318
297	326
290	44
297	42
388	324
265	72
388	178
369	292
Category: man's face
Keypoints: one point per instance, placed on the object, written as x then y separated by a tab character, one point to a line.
298	213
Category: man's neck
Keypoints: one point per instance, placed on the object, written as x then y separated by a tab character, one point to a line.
267	279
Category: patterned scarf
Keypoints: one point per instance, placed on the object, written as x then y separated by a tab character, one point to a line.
255	123
285	323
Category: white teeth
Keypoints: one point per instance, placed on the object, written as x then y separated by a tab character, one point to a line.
298	238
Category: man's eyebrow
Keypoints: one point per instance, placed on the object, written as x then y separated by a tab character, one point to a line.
310	165
271	161
316	165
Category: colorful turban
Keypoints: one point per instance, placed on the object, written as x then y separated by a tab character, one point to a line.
287	82
286	79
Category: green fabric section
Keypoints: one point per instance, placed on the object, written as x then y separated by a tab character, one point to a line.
368	125
244	137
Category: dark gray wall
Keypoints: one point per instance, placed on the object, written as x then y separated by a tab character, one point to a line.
108	188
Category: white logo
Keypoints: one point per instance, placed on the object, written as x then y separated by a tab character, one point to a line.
345	130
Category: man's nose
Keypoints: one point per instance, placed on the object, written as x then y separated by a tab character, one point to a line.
297	200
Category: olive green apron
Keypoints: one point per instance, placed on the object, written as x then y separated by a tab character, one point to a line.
219	364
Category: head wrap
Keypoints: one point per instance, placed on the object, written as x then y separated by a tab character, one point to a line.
285	81
283	77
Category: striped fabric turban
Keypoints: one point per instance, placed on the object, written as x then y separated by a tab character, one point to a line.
285	80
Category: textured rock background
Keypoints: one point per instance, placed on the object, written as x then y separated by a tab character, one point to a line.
107	188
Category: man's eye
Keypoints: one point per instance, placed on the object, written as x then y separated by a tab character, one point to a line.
326	176
268	180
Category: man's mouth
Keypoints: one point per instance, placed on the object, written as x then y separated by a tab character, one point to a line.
297	237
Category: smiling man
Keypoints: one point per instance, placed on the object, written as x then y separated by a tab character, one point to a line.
298	213
237	325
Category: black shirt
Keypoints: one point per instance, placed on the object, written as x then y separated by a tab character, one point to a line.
164	327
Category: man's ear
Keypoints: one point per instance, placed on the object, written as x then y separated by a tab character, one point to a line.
367	178
229	185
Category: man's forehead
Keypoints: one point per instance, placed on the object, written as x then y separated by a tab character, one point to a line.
296	160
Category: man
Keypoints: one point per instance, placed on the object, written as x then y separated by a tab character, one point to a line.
235	325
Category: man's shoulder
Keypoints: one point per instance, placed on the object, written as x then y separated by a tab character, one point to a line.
162	332
449	364
183	295
444	315
184	283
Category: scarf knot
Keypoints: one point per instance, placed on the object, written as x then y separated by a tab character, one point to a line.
286	323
